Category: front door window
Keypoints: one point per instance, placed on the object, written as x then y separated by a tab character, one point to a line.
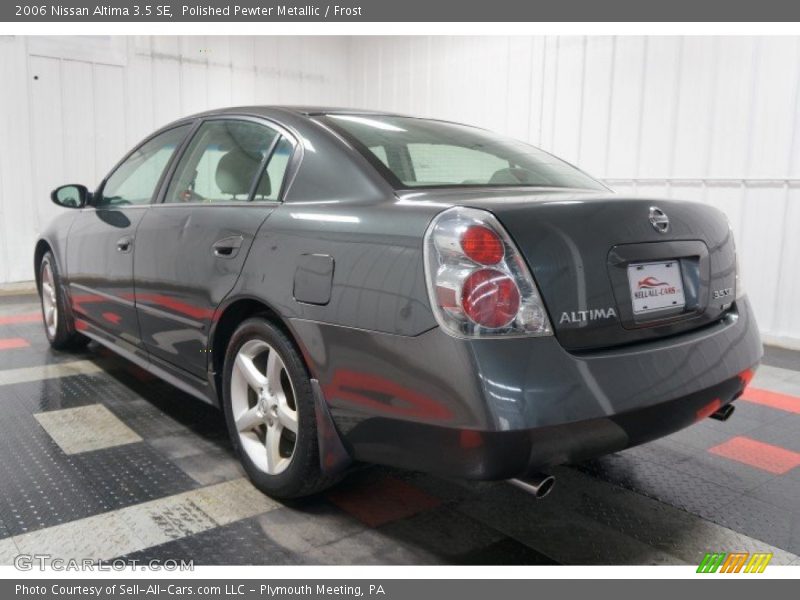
135	180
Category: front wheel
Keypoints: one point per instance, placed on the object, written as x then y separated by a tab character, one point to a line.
58	326
269	410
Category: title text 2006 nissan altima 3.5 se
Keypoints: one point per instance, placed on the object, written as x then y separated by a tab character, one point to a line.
358	286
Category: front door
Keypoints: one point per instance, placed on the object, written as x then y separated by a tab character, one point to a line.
191	247
101	243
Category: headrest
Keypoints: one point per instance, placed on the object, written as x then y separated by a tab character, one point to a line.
514	176
235	172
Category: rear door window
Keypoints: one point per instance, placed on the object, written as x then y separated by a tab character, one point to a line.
225	159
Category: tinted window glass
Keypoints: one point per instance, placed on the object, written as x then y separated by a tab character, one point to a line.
380	152
222	162
425	153
442	164
135	180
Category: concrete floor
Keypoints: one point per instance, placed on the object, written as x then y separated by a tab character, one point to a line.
100	460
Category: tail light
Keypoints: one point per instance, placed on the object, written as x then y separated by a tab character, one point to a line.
739	284
478	283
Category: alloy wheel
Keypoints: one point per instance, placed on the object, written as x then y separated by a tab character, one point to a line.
49	300
264	407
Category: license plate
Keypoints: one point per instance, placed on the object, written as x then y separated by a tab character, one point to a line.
656	286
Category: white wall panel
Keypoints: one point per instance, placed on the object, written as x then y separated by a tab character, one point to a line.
659	107
49	152
76	87
764	210
16	206
167	85
626	106
786	328
693	123
267	74
731	117
774	107
547	108
596	104
243	76
520	72
110	108
568	95
138	98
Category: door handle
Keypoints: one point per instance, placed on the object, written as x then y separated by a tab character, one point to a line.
125	244
228	247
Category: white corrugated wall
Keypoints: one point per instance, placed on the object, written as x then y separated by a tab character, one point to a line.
71	106
715	119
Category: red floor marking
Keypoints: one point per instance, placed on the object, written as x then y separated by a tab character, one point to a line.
709	409
11	343
383	501
773	399
112	317
758	454
23	318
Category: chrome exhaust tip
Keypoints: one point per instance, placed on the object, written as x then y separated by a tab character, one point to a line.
724	413
538	485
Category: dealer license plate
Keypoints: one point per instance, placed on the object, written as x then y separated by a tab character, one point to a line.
656	286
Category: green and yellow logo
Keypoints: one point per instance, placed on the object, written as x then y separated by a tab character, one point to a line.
734	562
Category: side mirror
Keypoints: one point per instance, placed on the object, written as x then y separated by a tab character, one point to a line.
70	196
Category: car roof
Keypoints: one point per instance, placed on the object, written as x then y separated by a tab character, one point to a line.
334	110
306	111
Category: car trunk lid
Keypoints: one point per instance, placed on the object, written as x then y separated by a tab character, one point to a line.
610	269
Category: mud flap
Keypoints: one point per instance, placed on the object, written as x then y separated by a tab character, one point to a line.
333	456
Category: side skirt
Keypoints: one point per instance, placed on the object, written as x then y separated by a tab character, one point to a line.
185	382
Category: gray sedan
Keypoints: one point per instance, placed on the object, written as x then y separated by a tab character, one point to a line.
359	286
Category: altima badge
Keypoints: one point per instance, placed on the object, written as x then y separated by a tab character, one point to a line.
659	220
584	316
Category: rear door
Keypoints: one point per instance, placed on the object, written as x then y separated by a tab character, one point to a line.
101	244
192	245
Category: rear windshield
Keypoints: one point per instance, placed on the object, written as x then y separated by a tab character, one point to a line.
415	153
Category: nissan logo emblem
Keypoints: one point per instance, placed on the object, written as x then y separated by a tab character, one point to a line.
659	220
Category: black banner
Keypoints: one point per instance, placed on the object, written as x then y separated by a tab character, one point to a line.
731	587
401	10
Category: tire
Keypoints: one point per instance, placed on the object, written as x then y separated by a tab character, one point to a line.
59	326
266	392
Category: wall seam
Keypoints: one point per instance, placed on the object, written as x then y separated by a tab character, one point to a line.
610	114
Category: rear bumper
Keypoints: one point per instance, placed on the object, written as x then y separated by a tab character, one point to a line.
496	408
505	454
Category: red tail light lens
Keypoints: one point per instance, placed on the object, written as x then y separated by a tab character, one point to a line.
479	284
482	245
490	298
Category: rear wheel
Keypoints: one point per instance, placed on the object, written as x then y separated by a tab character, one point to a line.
58	326
269	409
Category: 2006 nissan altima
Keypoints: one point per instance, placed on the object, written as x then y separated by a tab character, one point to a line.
349	285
